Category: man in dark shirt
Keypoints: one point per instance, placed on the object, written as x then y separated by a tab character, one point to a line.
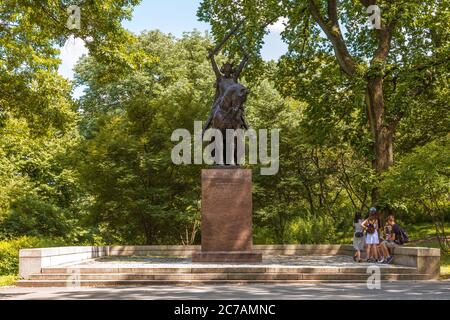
392	231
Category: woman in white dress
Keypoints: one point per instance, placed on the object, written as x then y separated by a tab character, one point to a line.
372	239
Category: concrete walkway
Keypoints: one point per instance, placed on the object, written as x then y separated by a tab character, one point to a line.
389	290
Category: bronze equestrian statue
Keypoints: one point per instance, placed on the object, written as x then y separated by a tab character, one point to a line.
228	108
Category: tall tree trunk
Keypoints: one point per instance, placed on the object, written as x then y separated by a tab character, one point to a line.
382	133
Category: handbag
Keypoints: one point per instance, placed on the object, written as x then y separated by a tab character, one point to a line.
359	234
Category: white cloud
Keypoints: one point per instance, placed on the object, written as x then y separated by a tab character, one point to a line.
279	25
73	49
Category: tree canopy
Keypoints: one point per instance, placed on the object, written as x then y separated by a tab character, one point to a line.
363	114
347	71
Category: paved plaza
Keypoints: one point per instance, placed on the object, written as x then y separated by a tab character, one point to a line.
335	261
389	291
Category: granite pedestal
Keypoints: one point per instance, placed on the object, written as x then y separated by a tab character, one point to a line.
227	216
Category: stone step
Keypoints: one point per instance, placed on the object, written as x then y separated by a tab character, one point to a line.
197	270
218	276
310	279
223	276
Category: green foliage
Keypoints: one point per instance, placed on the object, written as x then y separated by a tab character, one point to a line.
33	217
314	230
9	251
138	195
423	234
8	280
30	33
332	58
98	170
421	179
37	186
299	229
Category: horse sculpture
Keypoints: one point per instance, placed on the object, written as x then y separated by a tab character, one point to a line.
228	112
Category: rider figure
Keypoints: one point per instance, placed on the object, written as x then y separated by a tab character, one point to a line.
225	77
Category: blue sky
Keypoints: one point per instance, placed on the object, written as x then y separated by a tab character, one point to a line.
177	16
174	16
169	16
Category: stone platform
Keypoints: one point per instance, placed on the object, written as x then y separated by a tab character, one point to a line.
177	270
156	265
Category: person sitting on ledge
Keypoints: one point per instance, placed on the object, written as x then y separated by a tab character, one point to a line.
386	257
395	236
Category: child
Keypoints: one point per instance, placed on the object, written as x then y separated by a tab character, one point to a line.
383	251
358	237
388	231
372	240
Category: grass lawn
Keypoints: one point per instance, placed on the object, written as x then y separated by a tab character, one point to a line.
445	266
421	231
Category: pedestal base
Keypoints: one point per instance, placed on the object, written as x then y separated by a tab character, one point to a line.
227	216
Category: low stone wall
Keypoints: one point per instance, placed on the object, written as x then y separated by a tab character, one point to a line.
32	260
164	251
304	249
187	251
426	260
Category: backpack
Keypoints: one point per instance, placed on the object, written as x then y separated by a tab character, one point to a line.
401	237
370	228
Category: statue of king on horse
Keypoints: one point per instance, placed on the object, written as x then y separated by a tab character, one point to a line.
227	111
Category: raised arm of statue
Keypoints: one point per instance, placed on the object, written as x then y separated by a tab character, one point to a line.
219	46
214	65
243	62
241	67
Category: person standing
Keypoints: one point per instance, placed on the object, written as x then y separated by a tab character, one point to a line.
370	225
358	237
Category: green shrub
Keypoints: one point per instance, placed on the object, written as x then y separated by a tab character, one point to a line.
34	217
8	280
313	230
9	251
263	235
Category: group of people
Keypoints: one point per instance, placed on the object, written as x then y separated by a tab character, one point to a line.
375	240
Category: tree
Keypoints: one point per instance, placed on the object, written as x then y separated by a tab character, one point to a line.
38	187
420	180
138	194
30	33
389	70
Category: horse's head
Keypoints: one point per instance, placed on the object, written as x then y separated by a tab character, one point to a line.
234	98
